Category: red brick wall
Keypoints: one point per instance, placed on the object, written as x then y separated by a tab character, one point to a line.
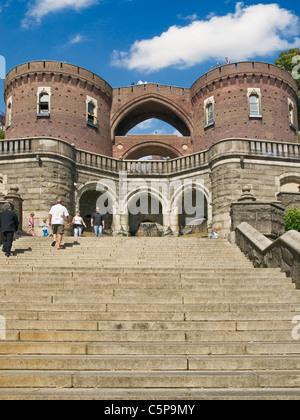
229	86
122	108
70	85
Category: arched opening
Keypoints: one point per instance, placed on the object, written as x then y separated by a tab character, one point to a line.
146	209
148	110
192	212
88	203
290	183
152	151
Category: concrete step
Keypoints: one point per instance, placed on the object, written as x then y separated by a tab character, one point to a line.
162	394
165	379
117	317
77	325
151	363
150	348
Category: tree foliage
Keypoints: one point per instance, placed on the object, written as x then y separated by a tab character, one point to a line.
2	124
285	61
292	219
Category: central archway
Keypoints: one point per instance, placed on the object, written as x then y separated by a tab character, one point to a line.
147	109
152	148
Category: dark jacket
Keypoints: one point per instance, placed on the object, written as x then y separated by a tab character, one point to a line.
9	221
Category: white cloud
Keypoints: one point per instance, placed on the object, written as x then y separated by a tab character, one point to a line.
252	31
41	8
77	39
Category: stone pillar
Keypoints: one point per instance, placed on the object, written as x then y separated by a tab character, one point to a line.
289	200
266	217
14	198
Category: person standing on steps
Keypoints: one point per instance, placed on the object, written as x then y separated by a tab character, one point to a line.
78	224
31	225
9	224
57	217
97	223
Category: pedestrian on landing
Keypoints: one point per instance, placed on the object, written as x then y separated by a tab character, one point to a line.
214	235
98	223
31	225
57	217
78	224
9	224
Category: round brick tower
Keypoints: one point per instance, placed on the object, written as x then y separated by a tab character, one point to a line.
244	100
53	99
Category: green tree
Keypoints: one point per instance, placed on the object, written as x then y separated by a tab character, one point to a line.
2	124
292	219
285	61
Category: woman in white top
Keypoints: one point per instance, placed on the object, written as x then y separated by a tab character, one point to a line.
78	224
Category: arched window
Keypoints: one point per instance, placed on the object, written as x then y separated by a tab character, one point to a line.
210	114
9	112
43	102
254	97
92	111
254	105
291	107
209	110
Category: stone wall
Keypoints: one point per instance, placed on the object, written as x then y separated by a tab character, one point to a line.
284	253
45	168
289	200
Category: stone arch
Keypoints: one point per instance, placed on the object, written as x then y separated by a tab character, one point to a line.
94	194
147	107
156	208
289	182
195	195
152	148
3	184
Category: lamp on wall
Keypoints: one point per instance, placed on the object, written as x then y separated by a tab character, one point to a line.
242	160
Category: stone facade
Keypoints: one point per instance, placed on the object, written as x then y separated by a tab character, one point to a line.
66	136
46	168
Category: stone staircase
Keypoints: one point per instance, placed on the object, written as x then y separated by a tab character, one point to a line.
155	318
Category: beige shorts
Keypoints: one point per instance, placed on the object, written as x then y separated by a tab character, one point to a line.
58	229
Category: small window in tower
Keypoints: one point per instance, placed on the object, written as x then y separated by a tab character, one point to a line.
254	105
92	112
210	114
292	114
254	98
209	111
9	112
43	104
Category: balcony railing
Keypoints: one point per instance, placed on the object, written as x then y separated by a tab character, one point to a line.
168	167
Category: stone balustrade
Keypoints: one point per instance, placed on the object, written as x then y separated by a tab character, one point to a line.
226	148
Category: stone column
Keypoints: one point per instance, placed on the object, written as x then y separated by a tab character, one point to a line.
265	216
14	198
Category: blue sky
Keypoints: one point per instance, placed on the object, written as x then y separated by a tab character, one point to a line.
169	42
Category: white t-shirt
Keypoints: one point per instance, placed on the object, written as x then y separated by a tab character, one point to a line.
59	213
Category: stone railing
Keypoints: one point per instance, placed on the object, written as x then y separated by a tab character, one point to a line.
275	149
143	168
284	253
240	148
15	146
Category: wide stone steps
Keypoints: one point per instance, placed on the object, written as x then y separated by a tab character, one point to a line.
147	318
